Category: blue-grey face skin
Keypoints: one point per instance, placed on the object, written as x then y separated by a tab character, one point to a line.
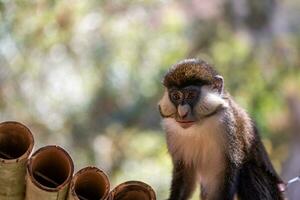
187	95
184	99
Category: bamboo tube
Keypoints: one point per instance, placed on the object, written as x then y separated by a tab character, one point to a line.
132	190
16	143
49	173
89	183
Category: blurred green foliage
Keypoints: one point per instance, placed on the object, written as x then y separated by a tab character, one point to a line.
86	75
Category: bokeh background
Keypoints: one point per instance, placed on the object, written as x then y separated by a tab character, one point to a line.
86	75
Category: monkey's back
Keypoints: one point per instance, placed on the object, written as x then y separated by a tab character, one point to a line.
257	179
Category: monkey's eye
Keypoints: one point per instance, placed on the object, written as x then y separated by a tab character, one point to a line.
175	96
191	95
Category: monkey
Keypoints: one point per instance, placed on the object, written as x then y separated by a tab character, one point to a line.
211	139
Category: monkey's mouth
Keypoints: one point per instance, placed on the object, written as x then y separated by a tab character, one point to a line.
185	123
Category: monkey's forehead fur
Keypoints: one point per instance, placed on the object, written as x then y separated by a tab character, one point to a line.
189	71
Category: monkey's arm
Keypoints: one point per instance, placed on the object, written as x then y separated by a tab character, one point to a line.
258	177
183	182
229	188
222	186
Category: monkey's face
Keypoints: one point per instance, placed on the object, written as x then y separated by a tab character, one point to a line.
182	101
189	105
192	101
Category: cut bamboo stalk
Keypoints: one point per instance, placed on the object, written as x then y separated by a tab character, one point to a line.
132	190
49	173
89	183
16	144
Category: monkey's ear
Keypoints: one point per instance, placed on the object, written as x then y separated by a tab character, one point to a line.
218	84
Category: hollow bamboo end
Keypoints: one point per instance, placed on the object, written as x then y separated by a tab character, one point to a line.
90	183
50	168
133	190
16	142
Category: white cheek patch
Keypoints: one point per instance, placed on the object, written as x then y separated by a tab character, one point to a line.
209	102
166	106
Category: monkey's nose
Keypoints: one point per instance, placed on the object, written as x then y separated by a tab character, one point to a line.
183	110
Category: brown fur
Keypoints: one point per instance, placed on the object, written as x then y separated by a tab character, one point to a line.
188	71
